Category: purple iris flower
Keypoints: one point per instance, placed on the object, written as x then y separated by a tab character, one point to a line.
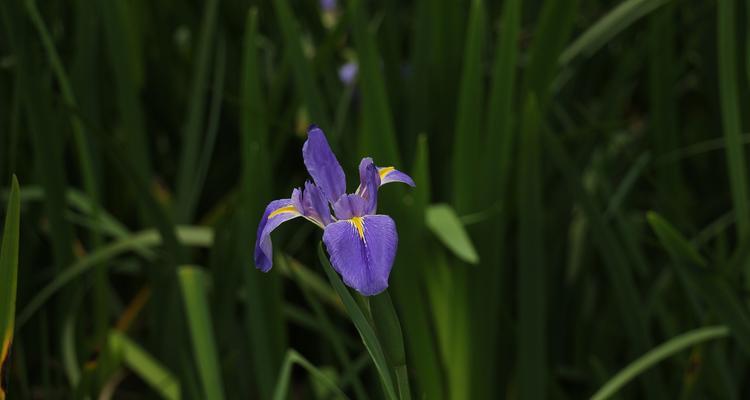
361	243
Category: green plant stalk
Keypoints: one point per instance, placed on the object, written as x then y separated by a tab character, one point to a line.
656	355
362	323
388	329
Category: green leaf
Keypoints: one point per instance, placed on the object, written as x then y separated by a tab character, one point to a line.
446	225
8	275
366	332
144	365
468	137
193	283
677	245
188	187
532	353
379	135
658	354
302	67
292	357
388	329
191	236
730	113
608	26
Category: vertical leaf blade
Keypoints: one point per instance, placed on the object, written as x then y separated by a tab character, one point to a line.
193	284
9	275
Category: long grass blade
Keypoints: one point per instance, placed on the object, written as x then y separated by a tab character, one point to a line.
193	284
8	277
468	135
658	354
730	113
145	366
532	354
187	186
292	358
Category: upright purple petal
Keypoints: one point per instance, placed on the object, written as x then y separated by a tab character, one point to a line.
390	174
277	212
350	206
369	181
323	165
362	251
312	204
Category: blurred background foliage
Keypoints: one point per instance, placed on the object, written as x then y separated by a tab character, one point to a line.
581	195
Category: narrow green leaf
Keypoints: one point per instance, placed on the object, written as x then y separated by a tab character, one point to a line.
124	61
191	236
442	220
8	276
715	290
408	285
263	293
552	32
193	283
187	186
658	354
730	113
607	27
468	136
379	135
145	366
388	329
616	265
292	357
532	353
677	245
366	332
301	65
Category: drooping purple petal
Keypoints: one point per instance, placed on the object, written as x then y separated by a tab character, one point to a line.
277	212
390	174
312	204
369	181
362	251
322	165
350	206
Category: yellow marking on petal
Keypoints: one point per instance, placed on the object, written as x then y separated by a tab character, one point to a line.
359	223
282	210
385	171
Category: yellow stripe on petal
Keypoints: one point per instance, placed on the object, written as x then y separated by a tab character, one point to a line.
385	171
287	209
359	223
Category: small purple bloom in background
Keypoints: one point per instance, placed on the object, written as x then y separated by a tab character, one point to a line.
329	5
348	73
361	243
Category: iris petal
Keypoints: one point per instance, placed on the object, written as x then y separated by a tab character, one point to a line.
390	174
312	204
322	165
369	182
277	212
362	251
349	206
